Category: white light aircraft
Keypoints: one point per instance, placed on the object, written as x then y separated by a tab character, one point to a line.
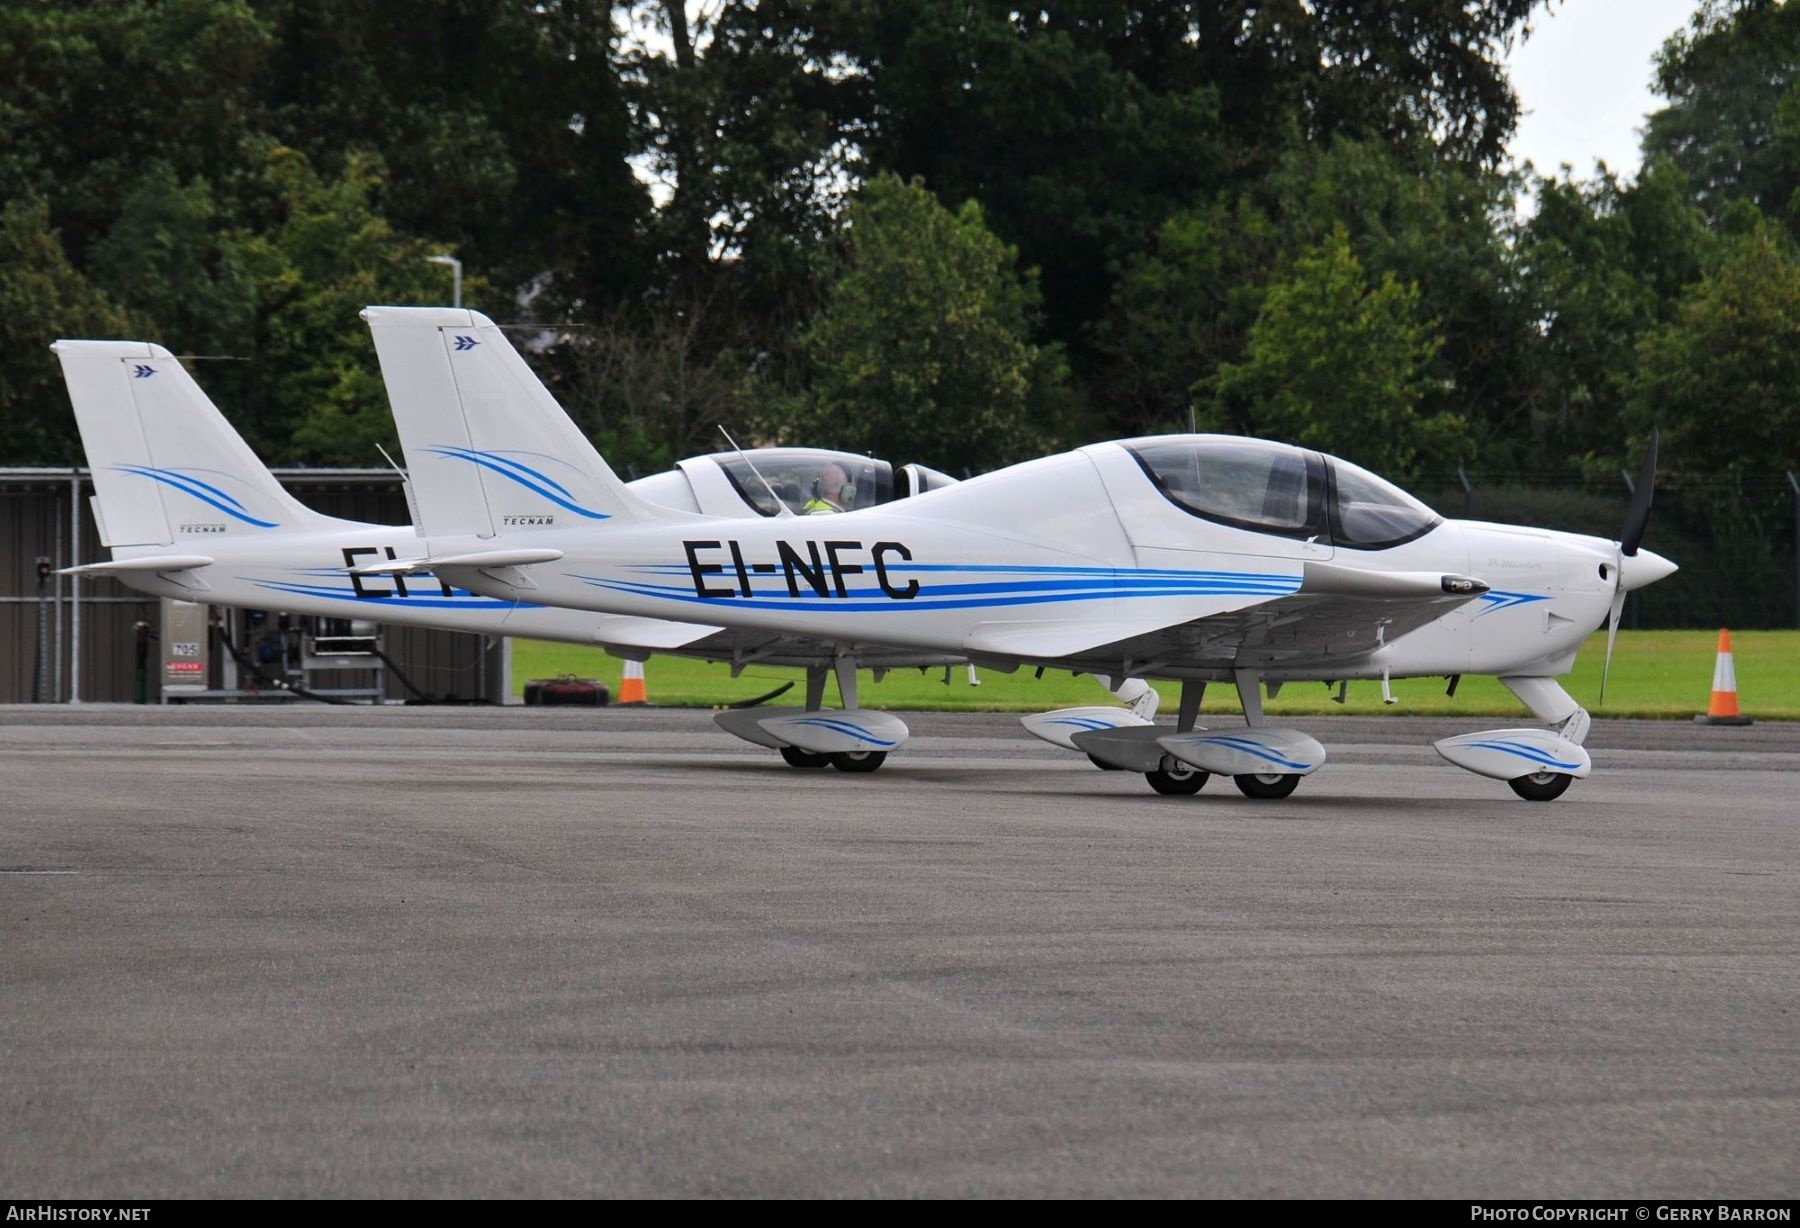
188	511
1195	558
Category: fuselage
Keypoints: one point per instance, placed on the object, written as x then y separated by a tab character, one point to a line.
1088	538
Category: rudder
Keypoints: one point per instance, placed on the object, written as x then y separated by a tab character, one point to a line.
167	466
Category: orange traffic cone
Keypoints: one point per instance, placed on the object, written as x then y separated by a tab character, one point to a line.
1723	710
631	684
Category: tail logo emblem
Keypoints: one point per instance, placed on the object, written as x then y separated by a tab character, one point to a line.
465	344
142	371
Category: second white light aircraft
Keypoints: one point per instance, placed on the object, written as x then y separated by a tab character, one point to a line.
1193	558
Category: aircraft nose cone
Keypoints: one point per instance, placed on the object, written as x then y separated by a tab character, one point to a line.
1644	567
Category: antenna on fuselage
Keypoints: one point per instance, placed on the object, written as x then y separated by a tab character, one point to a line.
406	488
782	509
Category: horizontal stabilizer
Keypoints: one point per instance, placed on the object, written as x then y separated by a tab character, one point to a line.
150	562
479	558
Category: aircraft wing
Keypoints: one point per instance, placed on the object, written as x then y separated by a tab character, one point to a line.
1338	613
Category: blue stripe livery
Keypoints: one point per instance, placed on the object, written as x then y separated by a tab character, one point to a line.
838	725
463	601
537	482
1525	750
206	492
1497	601
1047	586
1252	747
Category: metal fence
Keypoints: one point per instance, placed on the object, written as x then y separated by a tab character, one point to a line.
1735	537
73	638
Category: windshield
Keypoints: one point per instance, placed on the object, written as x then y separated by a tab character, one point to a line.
1369	513
809	481
1247	483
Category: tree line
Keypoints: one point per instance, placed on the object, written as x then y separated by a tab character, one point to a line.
951	231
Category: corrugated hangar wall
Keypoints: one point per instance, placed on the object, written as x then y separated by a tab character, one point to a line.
89	647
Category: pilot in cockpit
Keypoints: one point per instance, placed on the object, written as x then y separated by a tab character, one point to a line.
832	492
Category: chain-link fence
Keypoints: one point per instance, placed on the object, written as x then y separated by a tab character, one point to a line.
1733	537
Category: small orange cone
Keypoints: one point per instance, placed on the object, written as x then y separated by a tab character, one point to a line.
1723	710
631	684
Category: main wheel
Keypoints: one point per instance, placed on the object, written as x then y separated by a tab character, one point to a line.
1541	786
796	757
1266	786
858	760
1178	779
1103	765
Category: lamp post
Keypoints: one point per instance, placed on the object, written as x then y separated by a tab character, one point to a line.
456	272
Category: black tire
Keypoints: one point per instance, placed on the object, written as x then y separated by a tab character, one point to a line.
796	757
1103	765
1267	786
1541	786
858	760
1177	780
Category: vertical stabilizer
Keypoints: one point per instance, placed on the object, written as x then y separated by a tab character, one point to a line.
488	449
167	465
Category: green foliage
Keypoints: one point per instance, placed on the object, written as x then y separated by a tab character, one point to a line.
42	297
1733	84
1722	379
328	256
1336	364
922	349
1598	266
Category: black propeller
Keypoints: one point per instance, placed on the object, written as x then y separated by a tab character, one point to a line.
1638	514
1637	517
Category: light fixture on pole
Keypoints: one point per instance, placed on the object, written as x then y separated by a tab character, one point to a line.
456	272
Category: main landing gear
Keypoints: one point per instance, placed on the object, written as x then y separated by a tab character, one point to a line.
1541	786
848	739
1265	764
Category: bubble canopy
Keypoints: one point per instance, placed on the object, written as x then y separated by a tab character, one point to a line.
801	477
1280	489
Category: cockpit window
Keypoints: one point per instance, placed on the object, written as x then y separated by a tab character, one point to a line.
808	480
1368	513
1246	483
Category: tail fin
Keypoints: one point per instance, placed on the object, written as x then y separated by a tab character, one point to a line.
167	466
488	448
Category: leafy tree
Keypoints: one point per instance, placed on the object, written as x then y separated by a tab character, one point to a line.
1337	365
1732	125
500	128
171	261
1183	308
1722	379
923	348
1187	304
318	397
1081	128
1600	265
42	297
91	94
